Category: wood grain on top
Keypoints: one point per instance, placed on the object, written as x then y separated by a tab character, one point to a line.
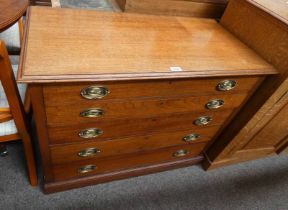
11	11
277	8
80	45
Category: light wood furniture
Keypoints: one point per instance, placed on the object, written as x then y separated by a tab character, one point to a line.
11	12
194	8
136	95
11	23
11	30
13	123
267	132
13	37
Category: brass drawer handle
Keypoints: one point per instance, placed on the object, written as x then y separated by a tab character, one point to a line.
87	169
203	120
89	152
226	85
93	112
191	137
215	104
90	133
94	92
181	153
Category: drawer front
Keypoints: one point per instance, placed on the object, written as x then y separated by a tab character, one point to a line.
71	94
96	111
121	128
117	163
87	150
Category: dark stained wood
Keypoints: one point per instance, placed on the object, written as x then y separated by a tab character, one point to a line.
40	119
96	179
140	126
69	153
27	102
16	110
110	164
192	8
11	12
137	47
271	96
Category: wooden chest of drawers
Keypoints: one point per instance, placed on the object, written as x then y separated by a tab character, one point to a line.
137	95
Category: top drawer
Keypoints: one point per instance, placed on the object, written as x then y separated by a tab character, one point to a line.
71	94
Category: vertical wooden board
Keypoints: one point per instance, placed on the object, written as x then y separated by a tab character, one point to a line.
37	100
274	48
273	133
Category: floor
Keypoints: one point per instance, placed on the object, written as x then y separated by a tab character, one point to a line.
261	184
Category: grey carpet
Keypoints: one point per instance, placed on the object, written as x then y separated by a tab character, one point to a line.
261	184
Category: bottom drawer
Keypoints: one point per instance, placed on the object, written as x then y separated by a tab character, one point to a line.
61	154
118	163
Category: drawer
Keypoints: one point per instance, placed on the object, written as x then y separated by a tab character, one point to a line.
71	94
96	111
88	150
141	126
118	163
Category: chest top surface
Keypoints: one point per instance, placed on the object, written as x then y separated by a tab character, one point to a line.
64	45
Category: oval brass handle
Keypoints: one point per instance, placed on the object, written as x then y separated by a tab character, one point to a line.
191	137
203	120
94	92
226	85
215	104
90	133
181	153
93	112
89	152
87	169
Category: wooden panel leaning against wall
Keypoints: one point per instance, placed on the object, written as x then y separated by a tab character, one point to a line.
267	34
194	8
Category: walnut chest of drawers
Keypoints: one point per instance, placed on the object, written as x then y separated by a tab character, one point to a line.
117	95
